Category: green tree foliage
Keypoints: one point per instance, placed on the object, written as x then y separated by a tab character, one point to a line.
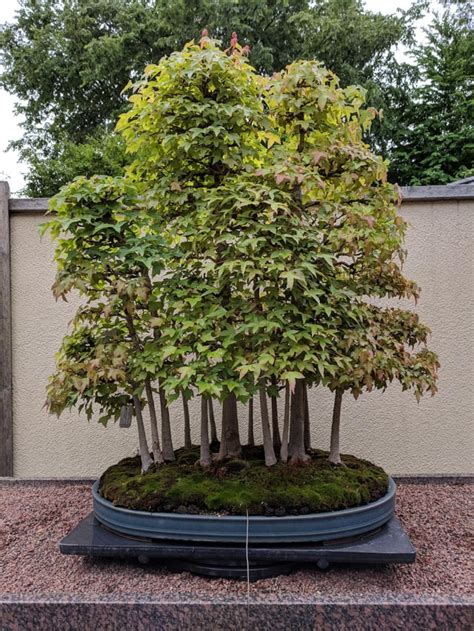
59	163
108	252
236	254
67	63
386	344
354	43
434	139
89	49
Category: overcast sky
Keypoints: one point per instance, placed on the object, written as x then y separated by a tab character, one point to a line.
12	170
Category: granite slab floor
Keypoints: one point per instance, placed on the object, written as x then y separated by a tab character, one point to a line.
42	589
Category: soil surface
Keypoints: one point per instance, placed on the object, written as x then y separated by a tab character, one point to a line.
34	517
236	486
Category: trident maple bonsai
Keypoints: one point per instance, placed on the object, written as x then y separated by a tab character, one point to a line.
236	258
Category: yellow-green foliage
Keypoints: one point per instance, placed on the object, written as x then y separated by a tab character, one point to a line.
240	246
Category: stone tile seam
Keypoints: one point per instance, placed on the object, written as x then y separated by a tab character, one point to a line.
444	601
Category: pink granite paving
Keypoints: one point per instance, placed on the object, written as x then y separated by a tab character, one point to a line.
33	518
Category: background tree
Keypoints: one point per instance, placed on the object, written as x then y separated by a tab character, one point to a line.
433	142
89	49
356	44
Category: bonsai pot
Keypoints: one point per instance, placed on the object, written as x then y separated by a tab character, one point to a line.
333	525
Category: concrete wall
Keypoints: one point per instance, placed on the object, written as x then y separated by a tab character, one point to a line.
433	437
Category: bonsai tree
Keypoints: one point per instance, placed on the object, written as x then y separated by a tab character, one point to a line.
237	254
376	352
94	367
207	183
108	253
203	111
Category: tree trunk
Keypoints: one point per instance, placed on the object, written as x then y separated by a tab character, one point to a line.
205	453
296	449
334	453
142	442
251	438
168	452
155	445
275	428
230	440
286	425
149	395
270	458
307	428
187	424
212	422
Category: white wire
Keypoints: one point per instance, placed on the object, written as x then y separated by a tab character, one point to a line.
247	560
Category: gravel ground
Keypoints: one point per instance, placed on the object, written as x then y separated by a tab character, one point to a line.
34	518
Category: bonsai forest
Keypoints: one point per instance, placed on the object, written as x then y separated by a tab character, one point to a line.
237	265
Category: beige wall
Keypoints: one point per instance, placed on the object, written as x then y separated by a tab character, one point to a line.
435	436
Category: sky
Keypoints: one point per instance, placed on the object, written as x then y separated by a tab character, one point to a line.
12	169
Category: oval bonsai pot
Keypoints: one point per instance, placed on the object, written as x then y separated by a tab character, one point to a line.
233	528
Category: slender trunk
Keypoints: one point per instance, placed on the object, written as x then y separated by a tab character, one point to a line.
230	441
286	425
142	442
157	454
212	422
251	438
307	429
155	445
296	449
334	453
187	424
275	428
270	458
205	453
168	452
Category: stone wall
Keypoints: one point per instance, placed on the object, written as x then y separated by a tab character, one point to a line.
433	437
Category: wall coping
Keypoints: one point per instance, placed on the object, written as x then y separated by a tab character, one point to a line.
456	191
447	192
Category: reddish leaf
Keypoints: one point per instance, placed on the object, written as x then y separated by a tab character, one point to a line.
317	155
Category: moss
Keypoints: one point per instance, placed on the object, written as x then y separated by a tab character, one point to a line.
235	486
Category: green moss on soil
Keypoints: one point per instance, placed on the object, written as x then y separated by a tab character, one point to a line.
236	486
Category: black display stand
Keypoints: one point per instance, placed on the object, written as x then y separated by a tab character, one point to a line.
389	544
